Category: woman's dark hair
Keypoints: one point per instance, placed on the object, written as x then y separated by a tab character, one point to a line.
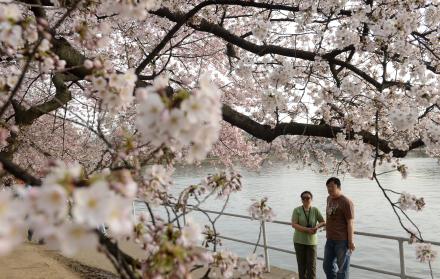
334	180
306	192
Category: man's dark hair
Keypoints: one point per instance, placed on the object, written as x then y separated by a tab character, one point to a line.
306	192
334	180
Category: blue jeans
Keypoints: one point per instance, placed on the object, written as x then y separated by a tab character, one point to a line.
336	259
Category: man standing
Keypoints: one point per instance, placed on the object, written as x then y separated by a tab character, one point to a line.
340	230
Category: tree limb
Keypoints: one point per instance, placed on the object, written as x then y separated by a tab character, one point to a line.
268	134
62	97
261	50
18	172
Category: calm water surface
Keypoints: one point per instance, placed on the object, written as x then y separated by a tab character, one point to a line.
282	184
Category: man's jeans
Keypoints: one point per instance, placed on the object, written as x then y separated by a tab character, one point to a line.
336	259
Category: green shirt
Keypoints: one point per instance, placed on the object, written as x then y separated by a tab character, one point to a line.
299	217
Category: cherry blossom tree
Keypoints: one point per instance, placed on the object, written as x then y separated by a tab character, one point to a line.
100	98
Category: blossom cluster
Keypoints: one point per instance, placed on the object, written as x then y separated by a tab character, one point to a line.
433	129
8	82
225	262
425	253
260	210
48	61
129	9
409	201
12	223
211	237
5	132
358	156
273	99
170	253
240	149
115	89
46	210
283	75
254	266
261	29
14	30
4	135
92	37
18	32
244	68
223	183
431	137
155	186
184	120
403	117
344	37
403	169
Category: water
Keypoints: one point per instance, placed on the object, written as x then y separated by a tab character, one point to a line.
283	184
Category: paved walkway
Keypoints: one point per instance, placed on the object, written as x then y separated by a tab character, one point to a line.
33	261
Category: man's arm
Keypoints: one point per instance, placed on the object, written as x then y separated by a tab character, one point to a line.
321	221
350	231
349	216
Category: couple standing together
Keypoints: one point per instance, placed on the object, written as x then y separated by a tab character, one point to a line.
307	219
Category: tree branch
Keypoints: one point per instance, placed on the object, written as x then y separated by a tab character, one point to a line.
62	97
18	172
184	18
261	50
268	134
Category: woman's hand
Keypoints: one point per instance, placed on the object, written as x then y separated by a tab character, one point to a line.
311	230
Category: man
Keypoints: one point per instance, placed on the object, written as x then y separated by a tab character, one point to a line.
340	230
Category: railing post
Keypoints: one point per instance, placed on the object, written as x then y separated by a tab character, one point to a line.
402	260
266	254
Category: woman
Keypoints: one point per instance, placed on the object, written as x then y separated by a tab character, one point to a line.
306	220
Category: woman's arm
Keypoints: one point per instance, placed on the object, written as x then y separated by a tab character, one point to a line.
320	224
297	226
300	228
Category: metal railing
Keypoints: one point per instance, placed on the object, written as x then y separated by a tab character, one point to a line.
267	247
